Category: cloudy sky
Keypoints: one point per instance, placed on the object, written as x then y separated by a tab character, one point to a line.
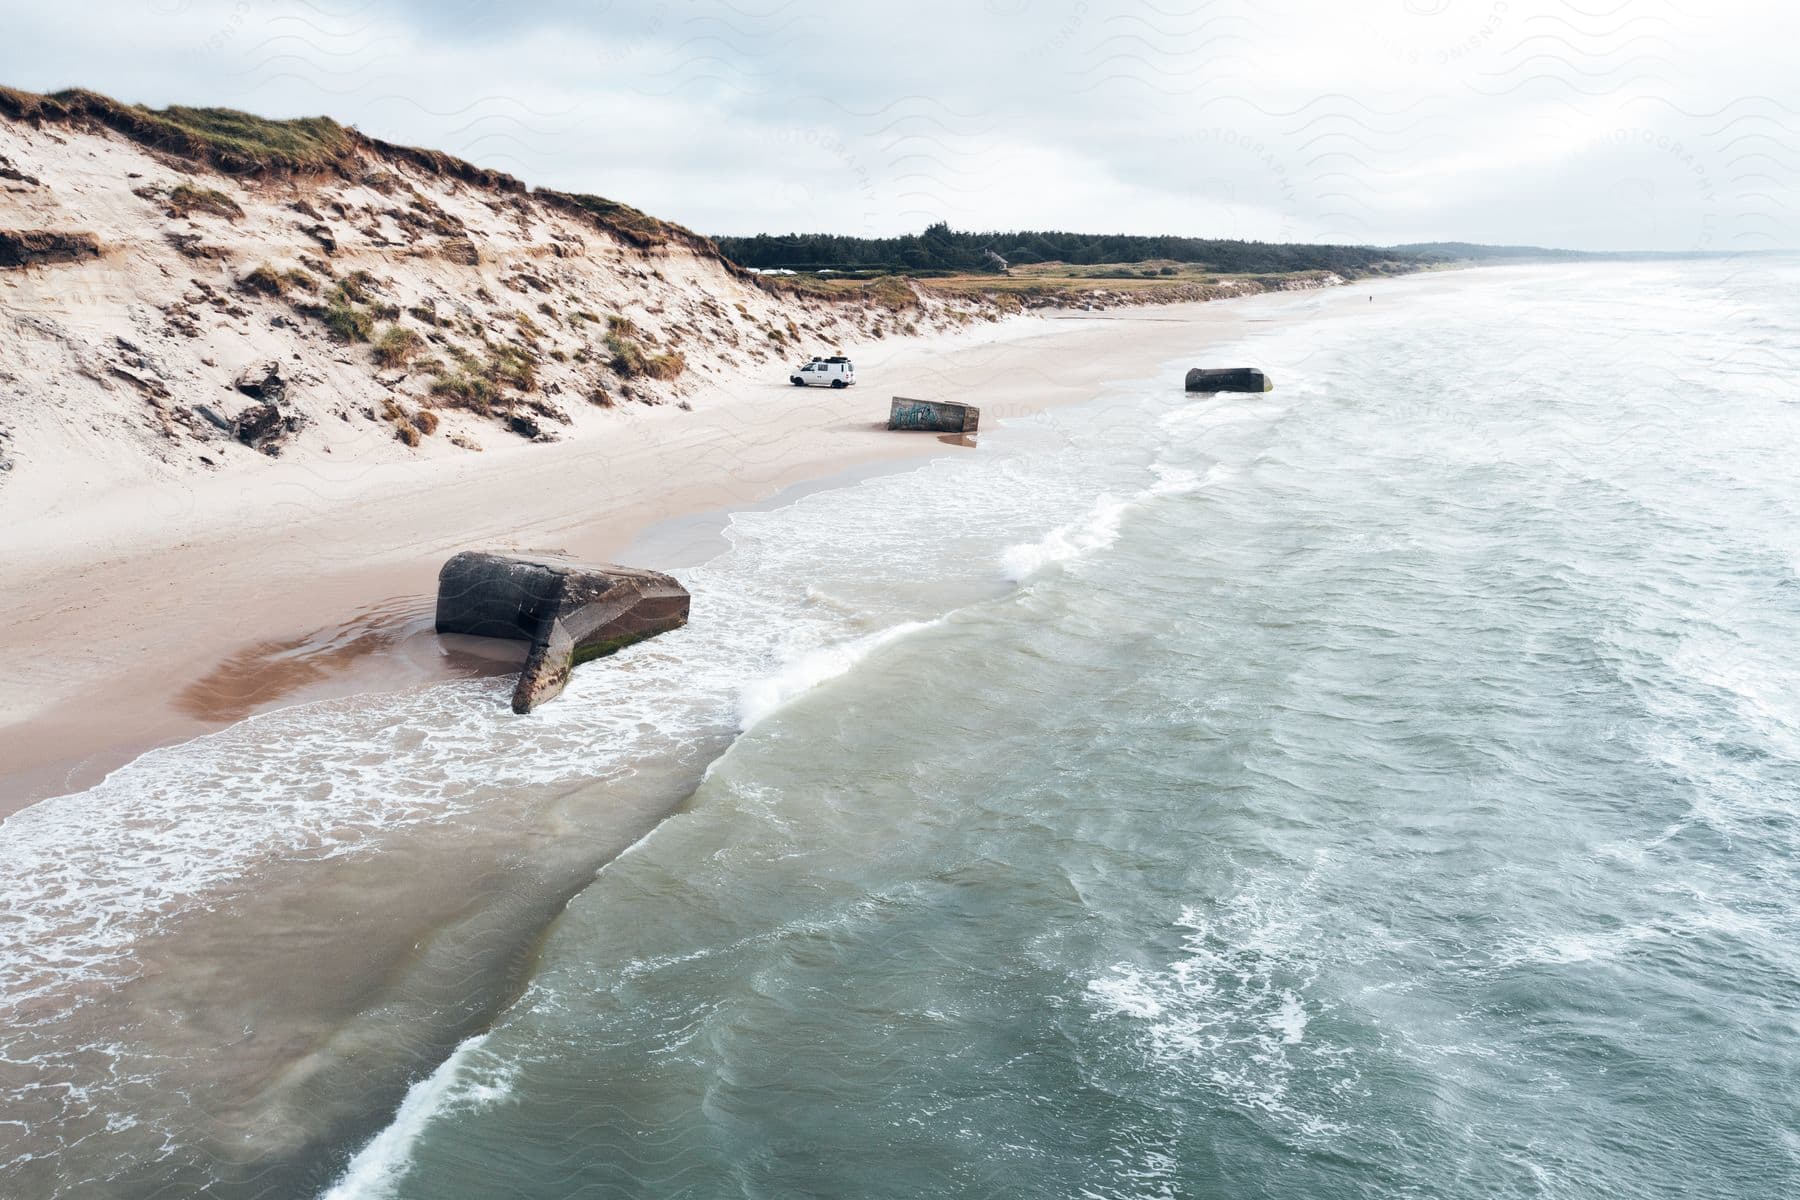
1603	124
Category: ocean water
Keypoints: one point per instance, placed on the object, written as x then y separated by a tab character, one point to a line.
1388	785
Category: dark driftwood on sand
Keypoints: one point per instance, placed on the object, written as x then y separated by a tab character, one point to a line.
570	612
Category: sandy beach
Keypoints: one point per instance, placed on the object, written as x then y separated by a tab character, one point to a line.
137	617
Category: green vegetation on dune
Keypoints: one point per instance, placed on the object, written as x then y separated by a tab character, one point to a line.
1045	285
630	360
233	141
350	308
304	143
397	346
478	383
347	322
1045	280
268	281
242	143
640	229
186	199
465	387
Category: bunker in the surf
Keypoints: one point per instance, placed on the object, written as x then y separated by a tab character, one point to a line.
1228	379
933	416
570	612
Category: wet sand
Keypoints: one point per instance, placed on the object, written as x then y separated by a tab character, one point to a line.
269	1043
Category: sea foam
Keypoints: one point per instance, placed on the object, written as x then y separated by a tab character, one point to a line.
1097	531
820	665
463	1082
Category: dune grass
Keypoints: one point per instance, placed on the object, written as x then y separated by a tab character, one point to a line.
303	143
397	346
346	310
233	141
636	228
477	383
630	360
186	199
269	281
241	143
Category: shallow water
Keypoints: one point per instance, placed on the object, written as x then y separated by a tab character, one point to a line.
1382	786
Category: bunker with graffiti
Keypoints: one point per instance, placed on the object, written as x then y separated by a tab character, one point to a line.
933	416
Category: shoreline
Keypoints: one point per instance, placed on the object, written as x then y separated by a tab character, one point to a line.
326	590
449	912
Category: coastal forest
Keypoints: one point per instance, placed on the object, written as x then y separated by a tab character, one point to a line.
941	249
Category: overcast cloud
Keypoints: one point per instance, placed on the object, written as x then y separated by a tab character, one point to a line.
1604	125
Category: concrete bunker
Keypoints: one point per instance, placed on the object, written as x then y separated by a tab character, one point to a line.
933	416
1228	379
570	612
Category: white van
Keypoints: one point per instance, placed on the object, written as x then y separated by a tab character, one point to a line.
836	371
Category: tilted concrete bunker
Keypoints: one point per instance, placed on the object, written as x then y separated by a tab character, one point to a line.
569	611
1228	379
933	416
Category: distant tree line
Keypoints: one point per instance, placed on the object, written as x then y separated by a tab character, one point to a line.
942	249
